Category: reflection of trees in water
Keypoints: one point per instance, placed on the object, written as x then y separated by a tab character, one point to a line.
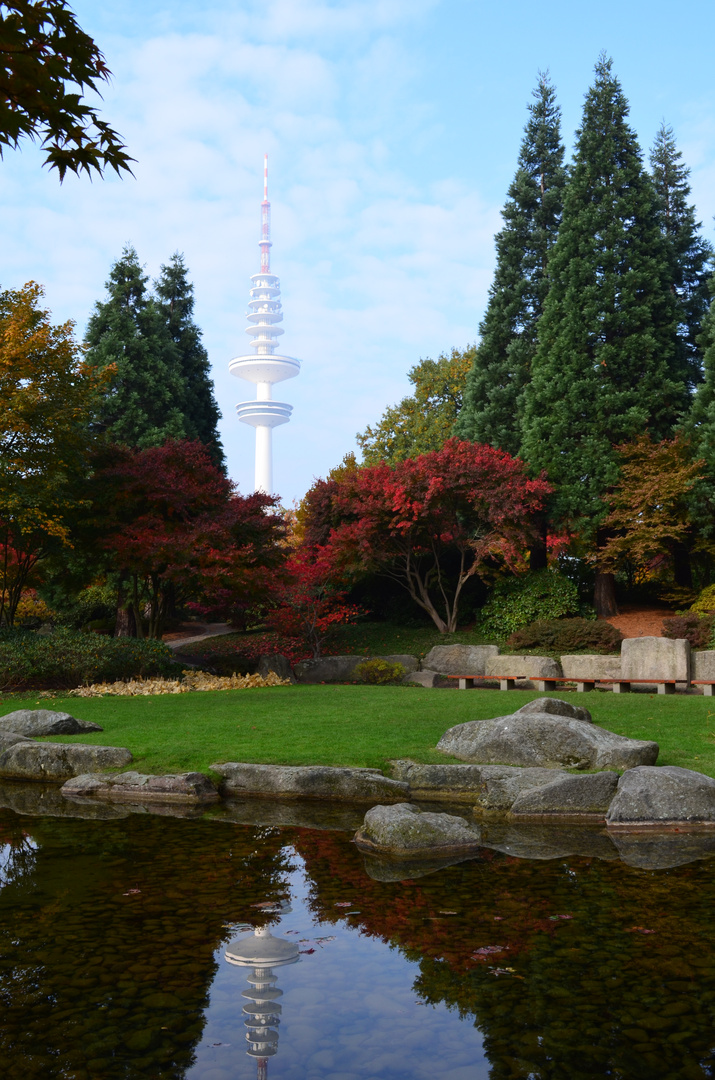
586	997
106	948
17	853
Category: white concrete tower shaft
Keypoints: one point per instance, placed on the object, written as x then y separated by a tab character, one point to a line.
264	366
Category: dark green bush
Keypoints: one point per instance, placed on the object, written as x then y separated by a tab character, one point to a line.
379	672
567	636
698	629
65	659
518	601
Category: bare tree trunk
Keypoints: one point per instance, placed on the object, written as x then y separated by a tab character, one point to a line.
604	595
538	552
125	625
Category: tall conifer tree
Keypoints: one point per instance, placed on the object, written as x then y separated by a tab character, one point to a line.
144	405
701	423
175	295
608	365
690	254
493	405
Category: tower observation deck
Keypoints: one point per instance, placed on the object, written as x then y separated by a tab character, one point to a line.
264	366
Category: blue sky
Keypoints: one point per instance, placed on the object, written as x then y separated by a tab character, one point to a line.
392	128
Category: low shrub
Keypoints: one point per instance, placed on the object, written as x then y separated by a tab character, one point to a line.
697	628
567	636
705	602
379	672
66	659
517	602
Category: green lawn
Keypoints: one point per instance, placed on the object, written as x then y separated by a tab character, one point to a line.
354	725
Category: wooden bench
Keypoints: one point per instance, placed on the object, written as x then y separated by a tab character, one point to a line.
544	683
707	685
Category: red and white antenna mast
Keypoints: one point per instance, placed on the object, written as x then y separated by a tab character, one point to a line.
265	223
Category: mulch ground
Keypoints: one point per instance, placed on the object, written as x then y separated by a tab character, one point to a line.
634	621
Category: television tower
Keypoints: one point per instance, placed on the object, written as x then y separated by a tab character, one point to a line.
264	366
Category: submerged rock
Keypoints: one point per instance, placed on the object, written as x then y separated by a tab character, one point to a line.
406	830
290	813
541	739
569	796
309	782
388	868
45	800
668	794
140	787
36	722
59	761
652	850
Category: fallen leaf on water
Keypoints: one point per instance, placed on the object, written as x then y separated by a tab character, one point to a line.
488	950
132	892
498	918
307	952
343	903
639	930
266	904
448	912
555	917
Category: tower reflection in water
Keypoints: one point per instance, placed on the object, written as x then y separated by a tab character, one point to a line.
262	952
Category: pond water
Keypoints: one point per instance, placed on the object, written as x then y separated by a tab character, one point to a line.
114	933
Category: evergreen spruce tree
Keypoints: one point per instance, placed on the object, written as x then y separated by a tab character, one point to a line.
701	423
493	404
175	295
689	253
144	404
608	364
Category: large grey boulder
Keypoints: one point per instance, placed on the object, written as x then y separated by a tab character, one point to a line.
491	787
428	679
703	664
9	738
59	761
36	722
524	840
569	796
554	707
405	830
342	668
655	658
276	663
459	659
309	782
667	795
591	667
538	739
523	667
189	787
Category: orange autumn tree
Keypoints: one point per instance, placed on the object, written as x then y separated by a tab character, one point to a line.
47	396
649	517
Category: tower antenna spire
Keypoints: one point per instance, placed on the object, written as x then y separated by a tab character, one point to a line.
264	366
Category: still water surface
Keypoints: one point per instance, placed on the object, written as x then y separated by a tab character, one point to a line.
113	935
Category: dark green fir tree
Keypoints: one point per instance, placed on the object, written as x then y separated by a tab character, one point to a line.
175	295
701	424
143	405
493	404
690	254
609	364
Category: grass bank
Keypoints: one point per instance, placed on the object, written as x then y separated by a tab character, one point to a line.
353	725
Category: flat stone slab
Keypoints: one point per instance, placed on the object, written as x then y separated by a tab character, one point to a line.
666	795
59	761
491	787
591	667
36	722
569	796
405	830
655	658
188	787
459	659
309	782
540	739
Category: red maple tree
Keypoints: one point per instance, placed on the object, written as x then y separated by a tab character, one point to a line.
466	504
179	531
